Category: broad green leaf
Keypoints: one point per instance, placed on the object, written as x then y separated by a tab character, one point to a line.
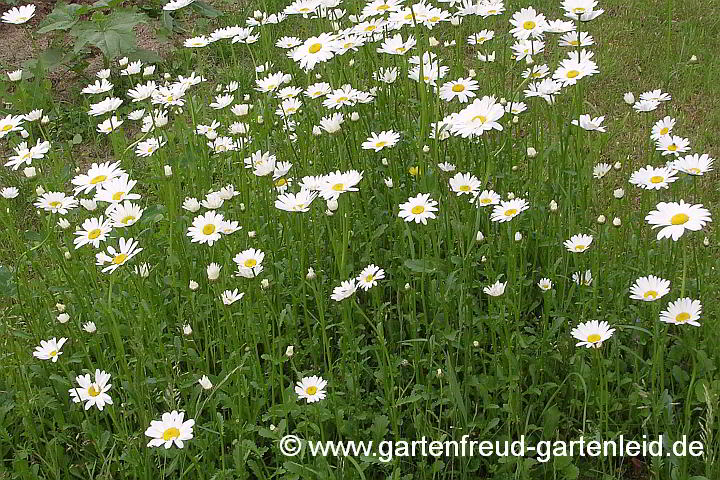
206	10
63	17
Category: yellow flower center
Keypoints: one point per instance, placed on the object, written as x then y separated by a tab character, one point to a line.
579	10
119	259
464	188
579	248
418	209
6	128
682	317
127	219
338	187
594	338
679	219
572	74
574	43
171	433
672	147
657	179
55	204
315	47
695	170
95	233
117	196
381	143
479	117
510	212
458	87
369	278
280	182
93	392
53	353
342	99
529	25
370	28
400	50
651	294
208	229
311	390
250	263
413	171
382	8
408	16
664	131
485	200
98	179
434	19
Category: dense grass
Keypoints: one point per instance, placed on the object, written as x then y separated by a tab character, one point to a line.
425	352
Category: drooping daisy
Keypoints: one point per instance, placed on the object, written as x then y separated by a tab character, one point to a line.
592	333
56	202
206	228
590	124
11	123
49	349
683	311
446	167
672	145
507	210
486	198
147	147
578	65
578	243
116	258
694	164
229	297
583	279
462	89
650	288
583	10
116	190
382	140
125	214
601	169
249	263
464	183
311	389
93	231
94	394
19	15
170	430
480	37
338	182
655	96
496	289
653	178
576	39
545	284
369	276
296	202
646	105
109	104
480	116
344	290
675	218
418	209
